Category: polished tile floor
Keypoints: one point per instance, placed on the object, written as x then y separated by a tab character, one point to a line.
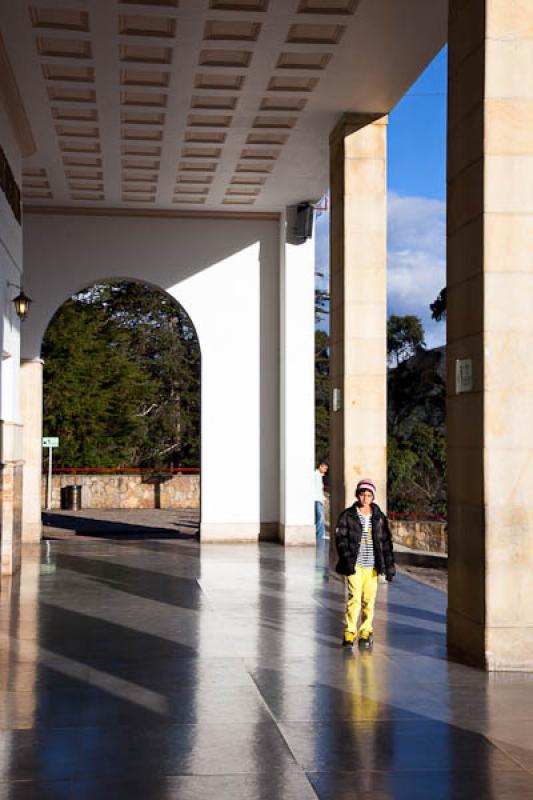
159	669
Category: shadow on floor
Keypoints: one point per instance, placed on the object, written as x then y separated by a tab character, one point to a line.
145	584
116	529
419	613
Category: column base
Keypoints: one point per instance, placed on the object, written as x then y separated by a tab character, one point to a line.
297	535
10	517
510	649
497	649
32	532
465	640
238	532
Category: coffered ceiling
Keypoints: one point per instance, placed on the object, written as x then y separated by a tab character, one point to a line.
203	104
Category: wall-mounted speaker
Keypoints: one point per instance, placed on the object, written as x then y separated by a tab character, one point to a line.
299	223
303	227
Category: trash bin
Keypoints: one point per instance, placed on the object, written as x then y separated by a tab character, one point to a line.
71	497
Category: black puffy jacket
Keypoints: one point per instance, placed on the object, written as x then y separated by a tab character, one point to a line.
348	539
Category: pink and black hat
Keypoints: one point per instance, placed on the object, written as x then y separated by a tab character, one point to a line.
365	483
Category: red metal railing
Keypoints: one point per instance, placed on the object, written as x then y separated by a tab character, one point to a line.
70	470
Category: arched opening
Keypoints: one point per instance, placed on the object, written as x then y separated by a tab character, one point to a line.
121	393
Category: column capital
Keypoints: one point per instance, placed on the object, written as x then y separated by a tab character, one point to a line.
352	121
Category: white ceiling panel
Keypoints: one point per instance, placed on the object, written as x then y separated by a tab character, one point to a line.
203	104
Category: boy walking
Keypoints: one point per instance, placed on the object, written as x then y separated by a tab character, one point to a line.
364	547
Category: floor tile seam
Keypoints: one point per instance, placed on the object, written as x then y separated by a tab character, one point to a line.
79	777
333	719
424	723
474	770
282	735
124	726
471	771
229	774
336	613
211	604
374	723
515	759
172	723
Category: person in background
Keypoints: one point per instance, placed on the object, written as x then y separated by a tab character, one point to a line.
320	525
364	547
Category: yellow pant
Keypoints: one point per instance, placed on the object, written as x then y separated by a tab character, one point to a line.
362	589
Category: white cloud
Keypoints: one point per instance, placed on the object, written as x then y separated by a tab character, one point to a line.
416	268
416	252
322	246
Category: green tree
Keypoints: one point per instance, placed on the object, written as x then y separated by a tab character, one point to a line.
405	336
321	395
164	338
417	433
122	374
417	471
92	390
439	306
321	301
321	372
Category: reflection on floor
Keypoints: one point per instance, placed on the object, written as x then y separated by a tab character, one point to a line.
164	669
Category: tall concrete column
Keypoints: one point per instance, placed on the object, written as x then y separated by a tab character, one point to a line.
358	271
31	399
490	330
297	405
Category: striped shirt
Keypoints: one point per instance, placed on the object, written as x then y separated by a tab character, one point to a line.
365	557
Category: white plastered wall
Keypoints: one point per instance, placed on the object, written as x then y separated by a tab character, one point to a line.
225	273
10	272
11	443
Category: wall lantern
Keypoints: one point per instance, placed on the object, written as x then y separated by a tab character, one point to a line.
21	302
22	305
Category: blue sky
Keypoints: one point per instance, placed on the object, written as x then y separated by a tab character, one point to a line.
416	201
417	136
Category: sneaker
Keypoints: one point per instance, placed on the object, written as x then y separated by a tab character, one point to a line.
348	639
366	641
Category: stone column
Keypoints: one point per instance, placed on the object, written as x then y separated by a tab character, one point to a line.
358	269
10	496
297	407
31	399
490	329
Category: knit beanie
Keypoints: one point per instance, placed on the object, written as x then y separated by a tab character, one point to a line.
365	483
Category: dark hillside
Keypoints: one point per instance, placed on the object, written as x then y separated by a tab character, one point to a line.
417	433
417	392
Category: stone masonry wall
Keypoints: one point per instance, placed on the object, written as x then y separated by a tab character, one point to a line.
428	536
115	491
